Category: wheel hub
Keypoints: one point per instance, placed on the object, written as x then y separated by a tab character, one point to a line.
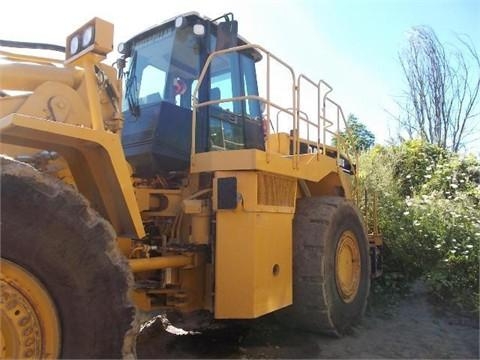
347	266
29	323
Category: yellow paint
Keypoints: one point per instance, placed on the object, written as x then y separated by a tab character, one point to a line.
96	160
192	284
160	262
141	299
347	266
27	77
125	245
200	229
312	167
149	201
253	271
93	96
29	323
334	184
279	143
250	246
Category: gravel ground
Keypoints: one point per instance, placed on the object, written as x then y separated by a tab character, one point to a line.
412	329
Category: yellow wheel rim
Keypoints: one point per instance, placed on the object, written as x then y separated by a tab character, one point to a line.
347	266
29	321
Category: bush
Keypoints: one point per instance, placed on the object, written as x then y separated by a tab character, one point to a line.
415	161
428	206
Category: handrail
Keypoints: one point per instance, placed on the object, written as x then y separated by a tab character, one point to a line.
321	123
267	101
316	125
290	111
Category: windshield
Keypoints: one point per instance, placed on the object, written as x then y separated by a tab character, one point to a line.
162	68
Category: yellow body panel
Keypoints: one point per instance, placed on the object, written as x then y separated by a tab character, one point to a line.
312	167
149	201
28	77
251	246
279	143
96	160
253	271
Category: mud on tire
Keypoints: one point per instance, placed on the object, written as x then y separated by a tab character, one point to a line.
50	230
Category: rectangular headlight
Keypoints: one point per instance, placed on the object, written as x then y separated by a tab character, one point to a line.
95	36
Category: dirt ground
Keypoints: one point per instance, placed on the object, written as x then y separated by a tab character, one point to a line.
412	329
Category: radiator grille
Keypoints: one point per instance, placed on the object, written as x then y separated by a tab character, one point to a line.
276	191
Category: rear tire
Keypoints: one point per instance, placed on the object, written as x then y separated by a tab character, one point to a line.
49	229
328	297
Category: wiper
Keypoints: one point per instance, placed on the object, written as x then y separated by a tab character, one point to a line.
132	88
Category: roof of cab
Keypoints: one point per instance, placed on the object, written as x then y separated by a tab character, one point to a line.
151	29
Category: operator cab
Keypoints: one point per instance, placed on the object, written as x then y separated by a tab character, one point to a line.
162	67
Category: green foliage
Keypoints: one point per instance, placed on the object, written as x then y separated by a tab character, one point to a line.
357	137
456	176
415	162
429	216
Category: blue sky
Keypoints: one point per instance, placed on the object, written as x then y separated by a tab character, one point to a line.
351	44
363	39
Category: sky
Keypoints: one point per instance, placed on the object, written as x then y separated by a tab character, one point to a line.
353	45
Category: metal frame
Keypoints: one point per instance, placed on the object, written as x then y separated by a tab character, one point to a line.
322	123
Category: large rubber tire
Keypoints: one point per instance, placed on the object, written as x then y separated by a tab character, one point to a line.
318	305
50	230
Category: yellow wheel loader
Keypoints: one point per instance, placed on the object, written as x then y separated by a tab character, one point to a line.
176	183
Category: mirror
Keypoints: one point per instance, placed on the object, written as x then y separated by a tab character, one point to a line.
227	32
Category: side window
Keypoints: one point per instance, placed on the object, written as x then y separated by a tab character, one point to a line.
153	81
226	129
224	81
221	88
249	79
233	124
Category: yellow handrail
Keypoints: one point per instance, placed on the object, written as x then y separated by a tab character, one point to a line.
267	101
321	123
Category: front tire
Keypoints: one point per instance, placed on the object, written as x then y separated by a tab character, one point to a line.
331	270
49	230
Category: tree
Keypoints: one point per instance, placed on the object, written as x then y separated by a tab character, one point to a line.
356	136
442	93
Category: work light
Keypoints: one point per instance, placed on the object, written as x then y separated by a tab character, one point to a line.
95	36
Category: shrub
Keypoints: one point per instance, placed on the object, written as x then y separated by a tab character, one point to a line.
428	207
415	163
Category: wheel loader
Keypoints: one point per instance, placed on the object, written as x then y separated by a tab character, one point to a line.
171	183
